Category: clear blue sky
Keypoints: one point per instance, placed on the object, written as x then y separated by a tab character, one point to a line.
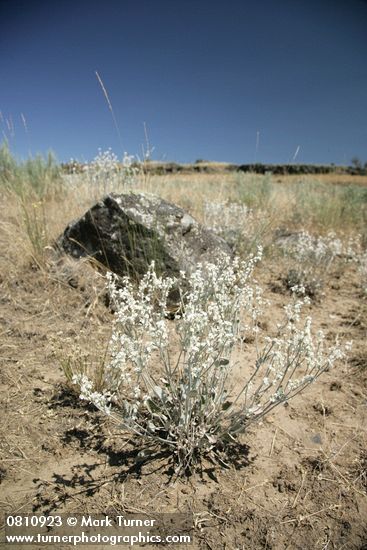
230	80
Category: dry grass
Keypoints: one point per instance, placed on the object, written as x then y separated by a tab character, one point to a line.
332	179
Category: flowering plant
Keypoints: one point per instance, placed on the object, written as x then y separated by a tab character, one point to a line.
106	172
170	381
308	259
243	228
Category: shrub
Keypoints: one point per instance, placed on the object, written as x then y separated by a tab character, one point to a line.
308	259
185	401
31	183
35	178
106	173
243	229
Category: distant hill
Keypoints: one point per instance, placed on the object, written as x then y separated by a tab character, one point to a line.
155	167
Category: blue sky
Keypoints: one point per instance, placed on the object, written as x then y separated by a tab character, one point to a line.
237	81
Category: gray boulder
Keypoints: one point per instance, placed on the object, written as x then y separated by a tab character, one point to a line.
126	232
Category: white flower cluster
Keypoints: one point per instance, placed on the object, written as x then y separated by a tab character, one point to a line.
319	251
183	398
293	352
103	167
353	250
211	324
310	258
322	251
243	228
140	327
106	172
130	170
100	400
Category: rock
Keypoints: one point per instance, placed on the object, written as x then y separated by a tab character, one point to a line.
126	232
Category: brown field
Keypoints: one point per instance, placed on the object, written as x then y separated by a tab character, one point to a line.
299	481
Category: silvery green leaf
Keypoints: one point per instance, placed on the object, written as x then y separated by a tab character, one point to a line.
158	391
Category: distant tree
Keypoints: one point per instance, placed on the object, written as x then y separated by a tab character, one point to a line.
356	163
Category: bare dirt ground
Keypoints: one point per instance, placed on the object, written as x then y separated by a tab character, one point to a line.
299	481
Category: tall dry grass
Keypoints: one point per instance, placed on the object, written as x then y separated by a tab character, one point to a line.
37	201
